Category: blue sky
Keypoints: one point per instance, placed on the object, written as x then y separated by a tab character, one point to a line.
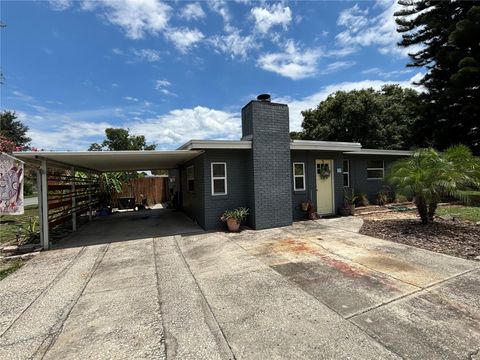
173	71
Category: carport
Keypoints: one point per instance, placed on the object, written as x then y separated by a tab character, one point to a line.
79	193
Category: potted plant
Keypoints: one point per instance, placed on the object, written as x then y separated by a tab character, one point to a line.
348	202
234	218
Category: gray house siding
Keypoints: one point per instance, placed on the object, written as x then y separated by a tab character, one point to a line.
358	173
309	157
237	185
245	189
193	202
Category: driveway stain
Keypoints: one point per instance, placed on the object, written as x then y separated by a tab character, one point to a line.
299	247
386	263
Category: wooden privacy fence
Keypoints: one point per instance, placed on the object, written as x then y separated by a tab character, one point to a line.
154	189
69	194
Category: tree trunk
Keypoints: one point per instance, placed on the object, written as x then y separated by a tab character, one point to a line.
432	207
422	209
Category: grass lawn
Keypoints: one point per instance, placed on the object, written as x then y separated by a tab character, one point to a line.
9	224
9	267
470	213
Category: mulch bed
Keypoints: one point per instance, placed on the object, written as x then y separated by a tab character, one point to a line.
456	238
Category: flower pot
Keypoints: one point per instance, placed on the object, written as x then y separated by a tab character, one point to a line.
233	225
344	211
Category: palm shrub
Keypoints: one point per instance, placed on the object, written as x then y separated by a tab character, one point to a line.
429	175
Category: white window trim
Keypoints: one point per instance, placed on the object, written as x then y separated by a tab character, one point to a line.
383	171
302	176
346	172
191	178
218	177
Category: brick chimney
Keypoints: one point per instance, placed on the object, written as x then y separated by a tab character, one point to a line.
266	124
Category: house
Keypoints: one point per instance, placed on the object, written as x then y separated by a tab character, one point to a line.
272	175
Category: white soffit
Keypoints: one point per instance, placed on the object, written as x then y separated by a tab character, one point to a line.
380	152
112	160
324	145
216	144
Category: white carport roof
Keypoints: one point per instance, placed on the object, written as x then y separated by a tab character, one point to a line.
112	160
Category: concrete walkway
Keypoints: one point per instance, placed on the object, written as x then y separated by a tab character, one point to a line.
307	291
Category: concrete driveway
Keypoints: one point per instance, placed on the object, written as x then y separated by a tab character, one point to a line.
312	290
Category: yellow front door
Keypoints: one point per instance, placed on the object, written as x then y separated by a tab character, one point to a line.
324	172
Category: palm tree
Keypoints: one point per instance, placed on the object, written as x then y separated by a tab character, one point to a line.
429	175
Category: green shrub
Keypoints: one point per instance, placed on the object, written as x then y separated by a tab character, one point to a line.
362	200
399	198
381	198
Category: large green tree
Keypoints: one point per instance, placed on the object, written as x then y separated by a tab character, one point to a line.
445	39
13	129
117	139
376	119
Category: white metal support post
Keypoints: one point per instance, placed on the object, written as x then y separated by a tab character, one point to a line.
44	204
74	202
89	198
39	202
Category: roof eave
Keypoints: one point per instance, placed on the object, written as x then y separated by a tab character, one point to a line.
380	152
216	144
324	145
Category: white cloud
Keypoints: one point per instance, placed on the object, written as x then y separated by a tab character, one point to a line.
353	18
24	97
338	65
363	30
67	135
298	105
192	11
60	5
292	63
130	98
184	38
386	74
77	130
167	92
221	8
138	55
136	17
181	125
342	52
234	44
270	16
149	55
161	83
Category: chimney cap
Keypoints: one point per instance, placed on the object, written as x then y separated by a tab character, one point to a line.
264	97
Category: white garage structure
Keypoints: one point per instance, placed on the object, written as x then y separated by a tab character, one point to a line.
93	162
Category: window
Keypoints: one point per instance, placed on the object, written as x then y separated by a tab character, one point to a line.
190	179
375	169
298	176
219	178
346	173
